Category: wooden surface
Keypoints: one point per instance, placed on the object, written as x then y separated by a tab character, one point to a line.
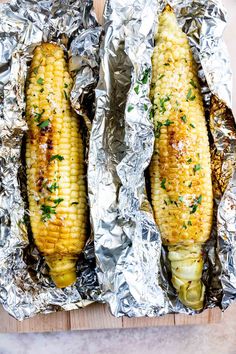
97	316
98	6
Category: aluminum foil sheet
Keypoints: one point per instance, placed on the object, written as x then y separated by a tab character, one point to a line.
132	265
25	286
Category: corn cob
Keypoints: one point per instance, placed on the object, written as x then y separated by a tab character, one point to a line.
55	165
180	172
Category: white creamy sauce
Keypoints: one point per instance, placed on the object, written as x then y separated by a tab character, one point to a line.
43	147
178	146
36	196
54	105
188	199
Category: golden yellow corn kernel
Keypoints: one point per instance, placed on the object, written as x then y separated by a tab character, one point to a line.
180	171
55	165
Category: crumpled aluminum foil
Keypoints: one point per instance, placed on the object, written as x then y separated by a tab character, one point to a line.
25	287
132	265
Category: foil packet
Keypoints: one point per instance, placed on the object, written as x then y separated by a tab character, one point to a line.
132	265
25	286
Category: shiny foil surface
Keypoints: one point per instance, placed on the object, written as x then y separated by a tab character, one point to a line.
25	286
132	266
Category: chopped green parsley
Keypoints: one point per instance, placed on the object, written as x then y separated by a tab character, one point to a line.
130	108
44	124
193	83
184	118
65	94
35	70
38	116
158	129
40	81
58	201
163	182
196	168
56	157
195	205
168	122
190	96
47	212
161	76
162	102
145	77
136	89
53	187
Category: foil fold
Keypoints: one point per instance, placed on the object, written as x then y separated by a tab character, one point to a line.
25	286
132	266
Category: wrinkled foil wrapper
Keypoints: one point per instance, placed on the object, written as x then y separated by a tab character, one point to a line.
132	266
25	286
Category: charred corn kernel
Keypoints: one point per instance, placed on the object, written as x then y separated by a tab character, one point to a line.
180	171
55	165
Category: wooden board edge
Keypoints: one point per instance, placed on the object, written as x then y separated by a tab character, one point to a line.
208	316
98	316
95	316
99	7
52	322
167	320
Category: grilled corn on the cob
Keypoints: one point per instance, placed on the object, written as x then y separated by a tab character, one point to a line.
55	165
180	171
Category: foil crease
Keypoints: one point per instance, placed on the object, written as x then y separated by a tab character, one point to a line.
25	286
132	265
